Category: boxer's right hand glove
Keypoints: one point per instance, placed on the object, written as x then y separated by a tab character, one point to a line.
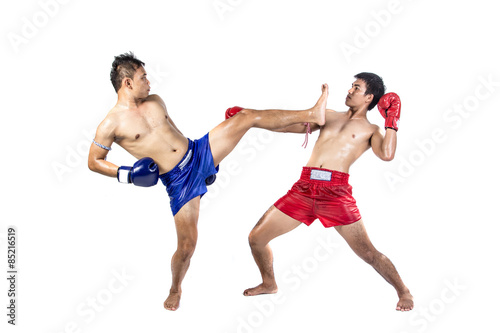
144	173
389	106
211	179
232	111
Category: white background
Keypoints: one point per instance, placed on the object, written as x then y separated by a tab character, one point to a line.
77	230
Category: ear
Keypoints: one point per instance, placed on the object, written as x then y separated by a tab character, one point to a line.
127	83
369	98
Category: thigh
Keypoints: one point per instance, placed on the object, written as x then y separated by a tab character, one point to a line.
273	224
224	137
356	236
186	221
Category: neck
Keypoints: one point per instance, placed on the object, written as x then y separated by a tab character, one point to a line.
128	101
357	112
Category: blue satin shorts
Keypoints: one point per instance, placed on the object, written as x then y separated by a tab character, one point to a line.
187	179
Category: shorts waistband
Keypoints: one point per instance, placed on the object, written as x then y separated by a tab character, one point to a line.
324	176
183	162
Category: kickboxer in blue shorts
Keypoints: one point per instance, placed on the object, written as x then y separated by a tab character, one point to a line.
140	123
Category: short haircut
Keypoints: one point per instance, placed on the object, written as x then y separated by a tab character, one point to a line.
124	65
374	85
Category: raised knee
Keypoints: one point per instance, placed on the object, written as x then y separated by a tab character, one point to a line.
247	115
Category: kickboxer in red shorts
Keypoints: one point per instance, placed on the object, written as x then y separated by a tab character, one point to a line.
323	191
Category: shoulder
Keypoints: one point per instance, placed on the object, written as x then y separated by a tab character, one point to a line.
332	114
155	99
109	123
155	102
376	132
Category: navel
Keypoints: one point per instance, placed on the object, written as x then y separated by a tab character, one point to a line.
353	136
137	136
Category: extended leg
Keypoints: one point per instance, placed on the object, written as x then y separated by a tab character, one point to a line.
357	238
186	221
273	224
226	135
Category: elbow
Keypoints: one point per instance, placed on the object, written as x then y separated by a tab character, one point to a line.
388	156
92	165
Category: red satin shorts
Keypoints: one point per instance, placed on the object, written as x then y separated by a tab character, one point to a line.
321	194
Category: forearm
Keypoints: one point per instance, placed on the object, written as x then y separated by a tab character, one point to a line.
388	146
103	167
297	128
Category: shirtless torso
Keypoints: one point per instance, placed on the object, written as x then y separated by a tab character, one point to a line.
144	131
343	138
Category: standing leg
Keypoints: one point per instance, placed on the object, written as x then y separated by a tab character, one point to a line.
186	221
225	136
357	238
273	224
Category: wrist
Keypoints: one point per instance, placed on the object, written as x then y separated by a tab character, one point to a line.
392	123
123	174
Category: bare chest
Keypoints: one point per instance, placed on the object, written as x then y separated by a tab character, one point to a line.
138	126
344	130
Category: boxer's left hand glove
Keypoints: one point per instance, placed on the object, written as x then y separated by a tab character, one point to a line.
144	173
232	111
389	106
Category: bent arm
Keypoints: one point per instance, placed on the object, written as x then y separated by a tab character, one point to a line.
97	155
384	146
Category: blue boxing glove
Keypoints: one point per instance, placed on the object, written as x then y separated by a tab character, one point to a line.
144	173
211	179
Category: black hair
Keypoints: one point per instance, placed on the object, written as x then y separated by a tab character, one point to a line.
123	66
374	85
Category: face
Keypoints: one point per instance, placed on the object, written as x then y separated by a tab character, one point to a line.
356	97
140	83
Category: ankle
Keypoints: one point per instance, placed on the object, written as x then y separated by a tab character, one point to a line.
269	283
404	292
175	291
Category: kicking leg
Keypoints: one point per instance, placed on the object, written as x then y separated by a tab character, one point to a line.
186	221
357	238
273	224
225	136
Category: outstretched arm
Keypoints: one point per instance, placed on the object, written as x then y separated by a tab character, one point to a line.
298	128
384	146
97	155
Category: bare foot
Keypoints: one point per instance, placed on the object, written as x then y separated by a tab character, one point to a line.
405	302
320	108
261	289
172	302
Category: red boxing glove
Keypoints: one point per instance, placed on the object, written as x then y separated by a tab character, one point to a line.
232	111
389	106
